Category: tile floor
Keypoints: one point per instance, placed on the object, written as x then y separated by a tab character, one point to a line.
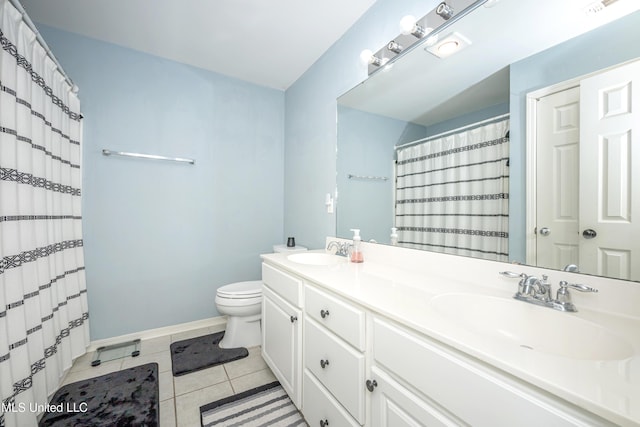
181	397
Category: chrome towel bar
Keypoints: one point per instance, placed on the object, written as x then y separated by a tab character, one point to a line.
373	178
147	156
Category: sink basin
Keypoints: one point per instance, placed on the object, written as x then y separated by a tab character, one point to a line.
535	328
311	258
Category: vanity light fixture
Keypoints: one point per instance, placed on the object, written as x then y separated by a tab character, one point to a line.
444	11
448	45
367	57
597	6
425	33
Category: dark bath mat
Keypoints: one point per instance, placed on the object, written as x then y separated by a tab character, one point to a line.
202	352
124	398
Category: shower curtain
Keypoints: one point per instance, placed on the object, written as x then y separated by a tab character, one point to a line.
452	193
43	302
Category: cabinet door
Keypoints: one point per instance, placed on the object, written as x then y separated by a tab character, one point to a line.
394	406
281	347
461	384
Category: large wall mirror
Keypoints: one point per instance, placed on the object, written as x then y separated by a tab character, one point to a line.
518	53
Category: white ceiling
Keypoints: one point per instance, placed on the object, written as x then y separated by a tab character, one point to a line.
270	43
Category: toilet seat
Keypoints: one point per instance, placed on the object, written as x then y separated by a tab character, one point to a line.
241	290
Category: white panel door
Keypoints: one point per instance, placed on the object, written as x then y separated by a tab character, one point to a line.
609	173
557	186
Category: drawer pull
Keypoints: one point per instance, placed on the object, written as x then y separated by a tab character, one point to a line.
324	423
324	313
371	385
294	318
324	363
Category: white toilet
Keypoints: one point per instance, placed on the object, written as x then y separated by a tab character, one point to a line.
241	302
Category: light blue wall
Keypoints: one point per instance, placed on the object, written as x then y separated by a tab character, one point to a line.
601	48
366	146
310	128
468	119
160	237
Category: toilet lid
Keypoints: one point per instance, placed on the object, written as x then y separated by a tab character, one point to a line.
249	289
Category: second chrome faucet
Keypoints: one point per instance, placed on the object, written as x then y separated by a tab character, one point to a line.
341	248
538	291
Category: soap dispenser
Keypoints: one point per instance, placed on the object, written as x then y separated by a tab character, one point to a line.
356	250
394	236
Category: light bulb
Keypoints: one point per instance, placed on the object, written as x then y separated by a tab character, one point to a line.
366	56
431	40
407	24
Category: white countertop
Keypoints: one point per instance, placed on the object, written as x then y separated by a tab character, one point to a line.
608	388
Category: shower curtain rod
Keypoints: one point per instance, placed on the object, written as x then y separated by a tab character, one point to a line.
440	135
40	39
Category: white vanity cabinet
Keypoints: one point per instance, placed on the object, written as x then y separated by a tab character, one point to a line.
450	388
347	364
282	329
334	360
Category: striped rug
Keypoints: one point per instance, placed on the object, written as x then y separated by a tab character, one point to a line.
267	405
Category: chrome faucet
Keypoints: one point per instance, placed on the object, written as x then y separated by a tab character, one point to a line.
342	249
538	291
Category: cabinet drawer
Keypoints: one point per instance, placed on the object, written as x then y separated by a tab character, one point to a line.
318	405
455	382
287	286
337	366
342	318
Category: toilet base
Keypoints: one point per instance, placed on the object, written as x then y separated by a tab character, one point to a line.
242	332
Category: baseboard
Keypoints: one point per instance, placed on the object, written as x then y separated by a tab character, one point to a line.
159	332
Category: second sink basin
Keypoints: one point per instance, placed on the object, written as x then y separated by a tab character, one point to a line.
314	258
532	327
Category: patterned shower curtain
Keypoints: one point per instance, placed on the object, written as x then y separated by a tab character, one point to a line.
43	302
452	193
